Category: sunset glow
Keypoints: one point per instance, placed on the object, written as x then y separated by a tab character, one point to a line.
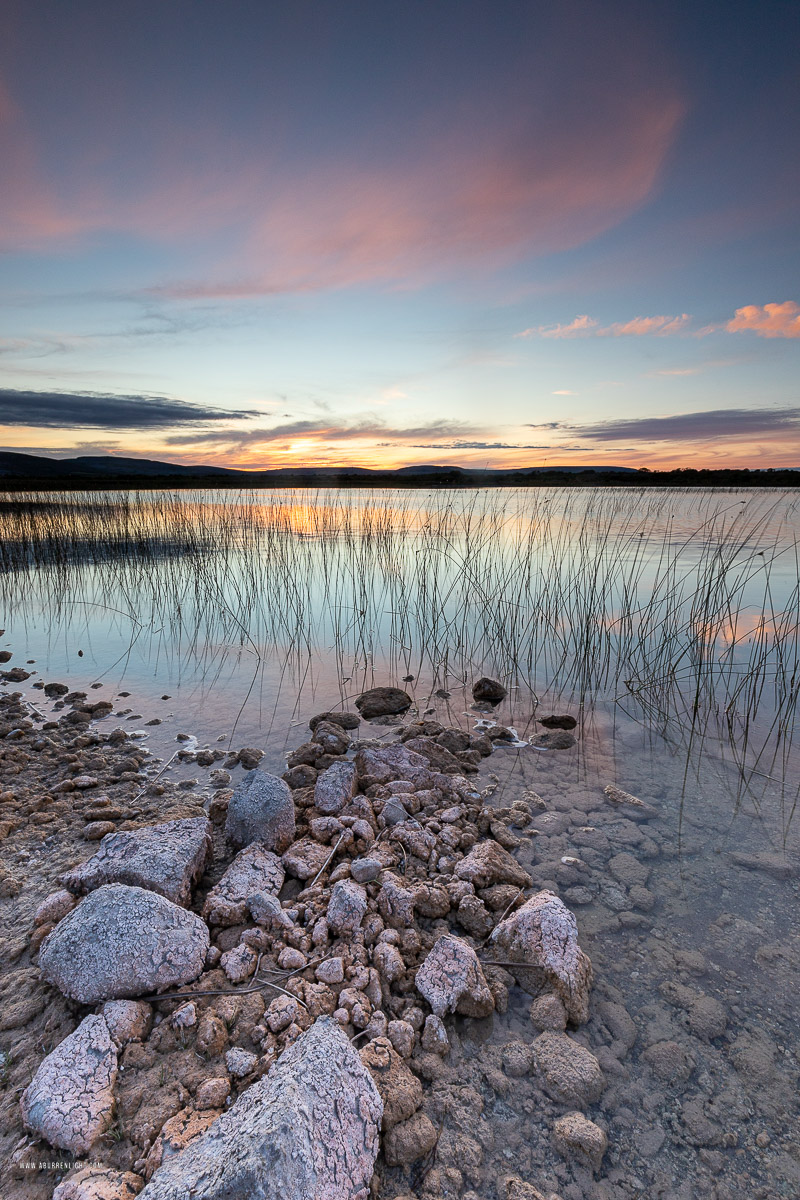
257	236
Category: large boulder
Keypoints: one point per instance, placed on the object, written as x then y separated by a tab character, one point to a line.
261	809
167	858
488	863
70	1100
542	936
452	980
123	942
254	870
308	1130
382	702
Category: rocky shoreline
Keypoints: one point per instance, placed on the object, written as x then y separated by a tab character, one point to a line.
307	971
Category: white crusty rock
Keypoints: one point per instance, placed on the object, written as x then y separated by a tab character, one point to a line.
346	907
99	1183
452	980
261	809
542	936
167	858
388	763
305	858
127	1020
254	870
123	942
308	1130
335	788
70	1099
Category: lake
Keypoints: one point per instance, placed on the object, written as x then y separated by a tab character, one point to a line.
665	621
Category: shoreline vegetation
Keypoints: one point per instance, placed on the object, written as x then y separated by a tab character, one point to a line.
392	908
25	473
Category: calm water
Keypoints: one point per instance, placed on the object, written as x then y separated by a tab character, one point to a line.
252	610
666	621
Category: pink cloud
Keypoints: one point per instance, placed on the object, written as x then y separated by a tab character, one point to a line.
769	320
462	195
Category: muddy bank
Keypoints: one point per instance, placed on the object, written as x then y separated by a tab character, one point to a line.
385	863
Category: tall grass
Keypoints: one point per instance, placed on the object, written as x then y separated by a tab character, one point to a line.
683	607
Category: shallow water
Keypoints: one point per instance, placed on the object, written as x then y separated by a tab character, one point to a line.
667	622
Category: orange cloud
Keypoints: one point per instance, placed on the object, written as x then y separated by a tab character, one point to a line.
769	320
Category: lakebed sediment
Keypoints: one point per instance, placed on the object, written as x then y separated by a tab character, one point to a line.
686	1065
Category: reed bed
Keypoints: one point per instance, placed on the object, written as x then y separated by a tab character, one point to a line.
682	607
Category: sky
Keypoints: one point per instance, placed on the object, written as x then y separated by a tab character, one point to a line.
491	234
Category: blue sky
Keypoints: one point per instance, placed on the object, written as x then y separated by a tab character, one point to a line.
480	233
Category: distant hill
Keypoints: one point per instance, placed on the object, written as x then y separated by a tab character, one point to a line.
33	472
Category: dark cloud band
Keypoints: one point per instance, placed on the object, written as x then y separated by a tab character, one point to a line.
691	427
96	410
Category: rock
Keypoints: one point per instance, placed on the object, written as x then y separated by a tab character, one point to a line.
241	1063
99	1183
399	1089
335	788
167	858
330	739
239	963
577	1138
54	907
389	763
123	942
254	870
290	959
176	1134
630	805
281	1013
70	1100
346	907
409	1140
212	1036
184	1017
558	721
439	758
488	863
330	970
266	910
452	980
402	1036
776	865
542	936
518	1189
517	1059
307	1130
95	831
707	1018
669	1061
347	720
395	903
305	858
474	917
554	739
127	1020
261	809
547	1012
627	870
569	1072
212	1093
382	702
388	962
434	1035
365	870
488	689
